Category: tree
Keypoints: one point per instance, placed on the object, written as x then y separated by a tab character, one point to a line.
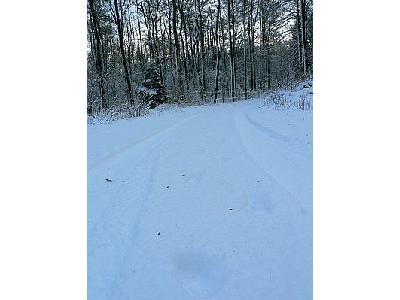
208	48
97	50
152	91
218	50
118	14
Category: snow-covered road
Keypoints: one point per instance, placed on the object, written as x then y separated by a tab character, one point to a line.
211	202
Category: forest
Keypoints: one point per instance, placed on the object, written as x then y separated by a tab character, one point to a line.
142	53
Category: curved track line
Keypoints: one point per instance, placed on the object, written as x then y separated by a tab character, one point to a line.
272	179
273	134
130	145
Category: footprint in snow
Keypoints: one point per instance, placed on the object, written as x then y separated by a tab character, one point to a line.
200	274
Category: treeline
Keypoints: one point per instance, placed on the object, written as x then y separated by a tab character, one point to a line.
145	52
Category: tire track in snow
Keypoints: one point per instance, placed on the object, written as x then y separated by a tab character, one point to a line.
273	134
118	226
124	265
137	162
114	234
127	147
291	219
269	176
248	154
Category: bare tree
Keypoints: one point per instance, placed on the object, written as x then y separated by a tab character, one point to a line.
209	48
218	50
118	12
98	54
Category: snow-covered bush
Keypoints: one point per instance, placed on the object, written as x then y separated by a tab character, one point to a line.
300	97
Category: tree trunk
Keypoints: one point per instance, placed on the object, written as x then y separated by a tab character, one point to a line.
252	47
120	30
299	35
199	22
268	57
184	45
231	51
99	63
304	44
178	67
244	50
218	51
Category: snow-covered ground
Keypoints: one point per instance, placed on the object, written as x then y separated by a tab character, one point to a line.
211	202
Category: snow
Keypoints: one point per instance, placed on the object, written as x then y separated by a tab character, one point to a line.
147	91
208	202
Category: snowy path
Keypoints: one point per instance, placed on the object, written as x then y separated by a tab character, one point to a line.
211	202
